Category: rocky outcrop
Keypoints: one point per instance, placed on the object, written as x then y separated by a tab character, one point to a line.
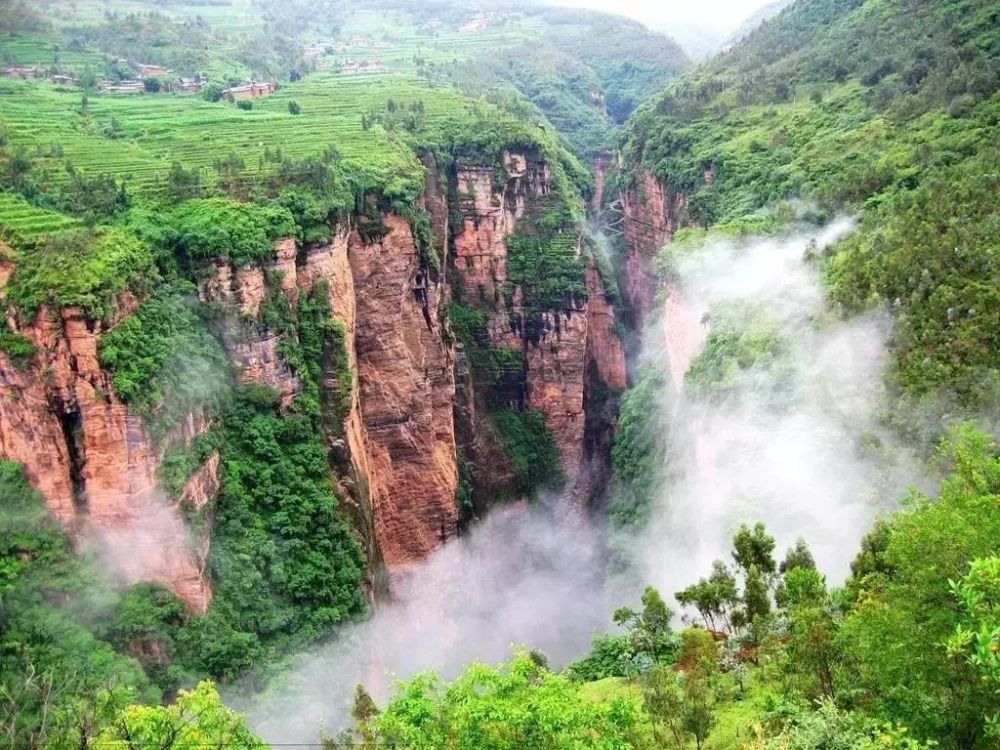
603	163
92	458
652	213
407	395
562	346
239	292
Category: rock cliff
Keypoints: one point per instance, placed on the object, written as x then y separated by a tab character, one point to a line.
560	348
414	405
652	213
92	458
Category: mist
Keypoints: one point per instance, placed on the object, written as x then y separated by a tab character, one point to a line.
801	447
525	575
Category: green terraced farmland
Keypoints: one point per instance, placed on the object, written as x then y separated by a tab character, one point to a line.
161	130
19	217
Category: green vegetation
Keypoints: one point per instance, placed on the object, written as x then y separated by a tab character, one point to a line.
198	718
593	72
86	269
639	452
285	563
531	449
833	101
241	232
743	343
904	656
53	671
16	346
521	704
165	363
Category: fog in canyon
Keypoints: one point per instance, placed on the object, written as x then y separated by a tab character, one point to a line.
799	447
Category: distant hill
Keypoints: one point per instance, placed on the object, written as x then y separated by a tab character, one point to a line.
756	19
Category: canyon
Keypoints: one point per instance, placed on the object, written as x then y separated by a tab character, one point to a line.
416	409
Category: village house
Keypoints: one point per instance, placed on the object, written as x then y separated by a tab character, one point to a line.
146	69
361	67
121	87
252	90
64	80
189	84
19	71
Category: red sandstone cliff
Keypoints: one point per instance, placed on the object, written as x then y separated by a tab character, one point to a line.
395	458
399	437
557	365
92	459
652	214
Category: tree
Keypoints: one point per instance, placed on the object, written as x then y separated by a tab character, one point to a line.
212	92
801	587
649	629
294	107
754	548
756	599
892	639
977	638
152	85
663	699
680	705
183	183
197	719
519	705
698	718
714	597
798	556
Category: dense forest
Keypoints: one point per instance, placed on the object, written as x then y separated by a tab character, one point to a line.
298	295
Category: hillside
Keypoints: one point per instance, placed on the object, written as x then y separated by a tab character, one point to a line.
831	102
270	347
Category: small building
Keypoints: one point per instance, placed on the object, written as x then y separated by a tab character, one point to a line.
252	90
17	71
64	80
189	84
121	87
148	69
361	67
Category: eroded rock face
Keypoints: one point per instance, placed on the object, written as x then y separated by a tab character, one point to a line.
92	458
407	394
395	457
652	214
240	292
558	358
603	162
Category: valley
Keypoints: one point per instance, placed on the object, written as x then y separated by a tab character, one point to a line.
470	324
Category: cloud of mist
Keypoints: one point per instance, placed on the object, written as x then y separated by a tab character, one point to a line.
520	576
808	456
810	459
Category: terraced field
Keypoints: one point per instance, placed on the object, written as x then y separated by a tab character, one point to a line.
158	131
43	50
22	218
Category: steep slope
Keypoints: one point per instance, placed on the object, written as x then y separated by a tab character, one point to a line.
269	399
831	102
587	76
